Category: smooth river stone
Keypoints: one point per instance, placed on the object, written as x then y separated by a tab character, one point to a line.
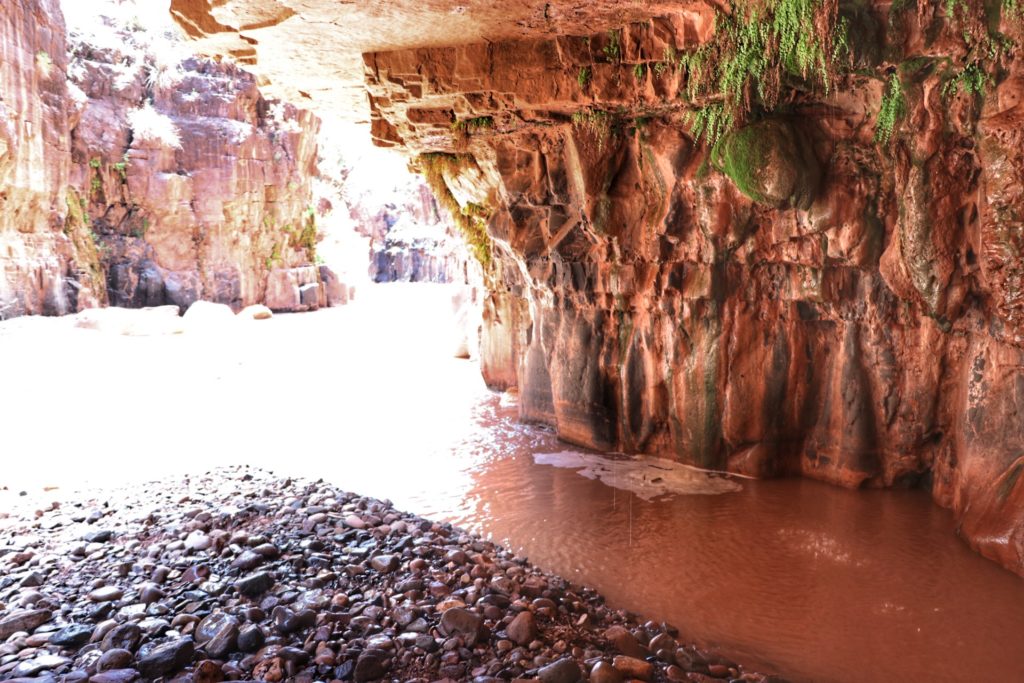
106	594
26	620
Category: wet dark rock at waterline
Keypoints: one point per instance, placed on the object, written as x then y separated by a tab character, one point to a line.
392	597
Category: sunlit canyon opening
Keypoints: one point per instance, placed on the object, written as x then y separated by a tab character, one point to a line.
557	341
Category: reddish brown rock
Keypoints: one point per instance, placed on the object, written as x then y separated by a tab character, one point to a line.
47	263
136	170
633	668
195	186
625	642
22	621
640	301
294	49
523	629
285	289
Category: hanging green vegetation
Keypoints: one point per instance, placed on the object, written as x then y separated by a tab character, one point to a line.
88	249
472	219
894	106
953	5
613	50
275	259
972	80
307	238
462	130
596	122
710	122
759	47
954	8
765	56
583	77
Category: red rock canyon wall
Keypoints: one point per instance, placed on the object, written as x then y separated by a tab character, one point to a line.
195	185
860	323
132	175
871	335
46	265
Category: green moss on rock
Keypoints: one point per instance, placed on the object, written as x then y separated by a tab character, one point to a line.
92	273
471	219
771	162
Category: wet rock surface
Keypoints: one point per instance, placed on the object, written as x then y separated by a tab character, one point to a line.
347	589
795	299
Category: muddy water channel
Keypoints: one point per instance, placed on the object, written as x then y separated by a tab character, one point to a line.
815	582
794	576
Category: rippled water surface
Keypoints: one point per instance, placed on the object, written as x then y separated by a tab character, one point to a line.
812	581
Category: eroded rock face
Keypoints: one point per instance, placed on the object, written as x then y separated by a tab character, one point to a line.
414	241
309	51
46	263
306	288
195	185
801	301
133	171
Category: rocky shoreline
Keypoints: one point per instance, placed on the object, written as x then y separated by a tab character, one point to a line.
238	574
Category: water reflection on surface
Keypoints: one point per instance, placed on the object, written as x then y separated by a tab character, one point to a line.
812	581
816	582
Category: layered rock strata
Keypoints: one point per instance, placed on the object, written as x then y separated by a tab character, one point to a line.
309	51
135	175
415	242
194	185
800	299
48	264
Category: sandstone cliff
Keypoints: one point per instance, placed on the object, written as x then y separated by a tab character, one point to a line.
794	279
48	264
825	285
135	174
193	184
414	241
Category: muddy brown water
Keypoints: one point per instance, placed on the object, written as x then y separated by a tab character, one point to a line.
811	581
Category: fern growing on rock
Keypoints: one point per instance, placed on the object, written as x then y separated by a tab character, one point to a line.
972	79
758	48
596	122
471	220
894	106
986	46
710	122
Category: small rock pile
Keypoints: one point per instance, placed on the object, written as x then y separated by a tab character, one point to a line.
240	575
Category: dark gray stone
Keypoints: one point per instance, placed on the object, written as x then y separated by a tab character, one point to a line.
166	658
562	671
251	638
122	637
255	585
72	636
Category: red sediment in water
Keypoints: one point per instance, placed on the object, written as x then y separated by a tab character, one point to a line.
815	582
